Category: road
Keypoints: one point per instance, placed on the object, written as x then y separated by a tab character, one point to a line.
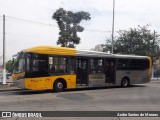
145	97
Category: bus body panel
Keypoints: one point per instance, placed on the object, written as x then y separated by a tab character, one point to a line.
17	75
20	83
150	66
135	76
45	83
46	80
96	80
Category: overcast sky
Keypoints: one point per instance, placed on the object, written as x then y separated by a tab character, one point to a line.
21	34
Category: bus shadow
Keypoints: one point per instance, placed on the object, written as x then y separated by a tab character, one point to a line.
100	88
138	86
30	92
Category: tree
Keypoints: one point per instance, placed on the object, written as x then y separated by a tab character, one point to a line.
68	23
99	47
138	41
10	66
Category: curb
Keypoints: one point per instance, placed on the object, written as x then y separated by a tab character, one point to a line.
11	89
8	84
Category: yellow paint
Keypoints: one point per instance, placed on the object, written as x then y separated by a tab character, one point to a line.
46	83
52	50
17	75
150	67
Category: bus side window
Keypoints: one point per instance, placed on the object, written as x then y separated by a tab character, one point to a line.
96	66
124	64
28	67
35	65
100	66
52	69
71	67
93	66
51	66
62	65
42	65
140	64
57	65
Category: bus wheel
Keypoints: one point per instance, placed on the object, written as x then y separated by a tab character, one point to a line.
58	86
125	82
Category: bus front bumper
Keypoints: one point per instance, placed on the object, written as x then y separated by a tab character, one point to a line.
19	83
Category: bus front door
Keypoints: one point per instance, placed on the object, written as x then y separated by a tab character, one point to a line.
82	71
110	71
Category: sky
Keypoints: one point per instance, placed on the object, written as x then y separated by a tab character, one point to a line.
22	34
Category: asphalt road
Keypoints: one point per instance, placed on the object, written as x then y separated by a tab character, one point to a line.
145	97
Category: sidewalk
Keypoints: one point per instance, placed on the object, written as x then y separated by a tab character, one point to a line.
155	80
7	86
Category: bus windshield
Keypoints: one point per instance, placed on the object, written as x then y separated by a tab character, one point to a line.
20	63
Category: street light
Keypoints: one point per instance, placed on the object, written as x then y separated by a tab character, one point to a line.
4	52
113	25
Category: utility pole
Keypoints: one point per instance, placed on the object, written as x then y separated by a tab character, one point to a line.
113	25
0	59
4	52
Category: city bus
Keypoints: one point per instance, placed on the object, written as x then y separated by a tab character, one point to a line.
60	68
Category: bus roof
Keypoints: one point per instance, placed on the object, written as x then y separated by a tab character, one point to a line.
73	52
52	50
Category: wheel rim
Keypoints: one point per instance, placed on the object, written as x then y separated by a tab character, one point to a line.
59	85
125	82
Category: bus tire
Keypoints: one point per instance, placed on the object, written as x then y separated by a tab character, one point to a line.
125	82
59	85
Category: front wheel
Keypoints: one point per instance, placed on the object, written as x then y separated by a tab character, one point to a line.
58	86
125	82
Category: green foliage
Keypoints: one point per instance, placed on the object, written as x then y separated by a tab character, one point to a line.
10	66
138	41
68	23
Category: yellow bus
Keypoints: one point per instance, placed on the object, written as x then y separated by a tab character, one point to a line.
60	68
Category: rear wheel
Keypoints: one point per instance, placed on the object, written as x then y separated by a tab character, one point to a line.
58	86
125	82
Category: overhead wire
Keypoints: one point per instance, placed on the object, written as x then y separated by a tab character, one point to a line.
47	24
30	21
